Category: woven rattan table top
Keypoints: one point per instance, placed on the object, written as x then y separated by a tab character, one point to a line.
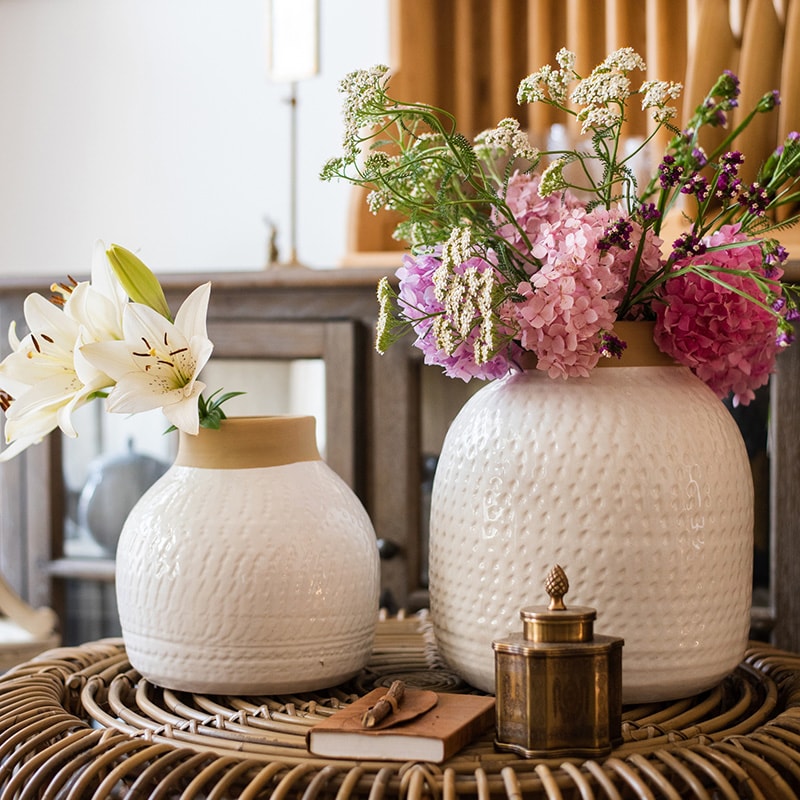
79	723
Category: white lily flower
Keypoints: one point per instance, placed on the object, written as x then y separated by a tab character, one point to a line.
40	377
45	378
98	304
157	363
98	308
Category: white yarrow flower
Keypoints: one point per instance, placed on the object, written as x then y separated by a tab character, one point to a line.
657	95
506	139
626	59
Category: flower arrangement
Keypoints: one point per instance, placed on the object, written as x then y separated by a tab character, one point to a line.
513	249
111	337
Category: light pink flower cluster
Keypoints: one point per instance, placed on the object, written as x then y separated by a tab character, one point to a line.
650	262
567	301
530	211
726	339
418	300
573	297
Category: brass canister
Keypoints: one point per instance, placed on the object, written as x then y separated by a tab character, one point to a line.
558	685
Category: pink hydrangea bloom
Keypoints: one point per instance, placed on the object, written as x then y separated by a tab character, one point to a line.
573	297
727	340
418	302
531	211
650	262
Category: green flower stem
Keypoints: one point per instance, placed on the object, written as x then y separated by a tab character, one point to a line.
626	303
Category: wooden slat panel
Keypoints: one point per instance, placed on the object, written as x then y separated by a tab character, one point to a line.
706	64
785	505
508	44
625	26
789	112
547	34
586	37
414	48
586	23
471	90
759	72
344	401
666	35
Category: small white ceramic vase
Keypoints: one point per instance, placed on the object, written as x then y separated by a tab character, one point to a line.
635	480
250	567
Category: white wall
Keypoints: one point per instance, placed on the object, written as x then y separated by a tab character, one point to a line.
153	123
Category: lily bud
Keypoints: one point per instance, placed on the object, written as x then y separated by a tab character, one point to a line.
138	280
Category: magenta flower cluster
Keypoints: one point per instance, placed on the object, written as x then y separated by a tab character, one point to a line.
728	339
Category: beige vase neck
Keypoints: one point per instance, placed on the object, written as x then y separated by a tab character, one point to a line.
248	442
641	350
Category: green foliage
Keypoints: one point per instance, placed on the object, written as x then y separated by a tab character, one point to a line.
211	413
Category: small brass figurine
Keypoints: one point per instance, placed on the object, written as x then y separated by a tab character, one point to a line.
558	686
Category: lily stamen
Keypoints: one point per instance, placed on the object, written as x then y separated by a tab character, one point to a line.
5	400
62	290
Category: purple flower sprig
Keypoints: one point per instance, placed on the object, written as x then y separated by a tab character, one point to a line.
679	172
722	98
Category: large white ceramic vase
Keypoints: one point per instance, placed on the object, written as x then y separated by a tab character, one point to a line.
635	480
249	567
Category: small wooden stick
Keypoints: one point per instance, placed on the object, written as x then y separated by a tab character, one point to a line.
386	705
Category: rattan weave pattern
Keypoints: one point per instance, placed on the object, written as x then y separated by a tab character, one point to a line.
79	723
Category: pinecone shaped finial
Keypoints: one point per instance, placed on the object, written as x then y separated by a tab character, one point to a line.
556	585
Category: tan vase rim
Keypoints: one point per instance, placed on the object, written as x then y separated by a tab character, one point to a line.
250	442
640	350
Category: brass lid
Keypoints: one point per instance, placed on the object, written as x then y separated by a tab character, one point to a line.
555	622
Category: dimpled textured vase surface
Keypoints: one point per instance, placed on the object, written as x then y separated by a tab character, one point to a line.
636	480
250	567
